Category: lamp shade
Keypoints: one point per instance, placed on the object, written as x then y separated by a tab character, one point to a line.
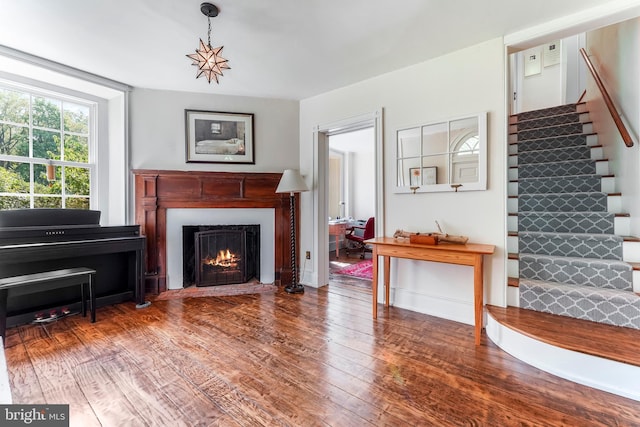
291	182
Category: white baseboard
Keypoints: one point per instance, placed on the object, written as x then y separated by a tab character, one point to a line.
434	305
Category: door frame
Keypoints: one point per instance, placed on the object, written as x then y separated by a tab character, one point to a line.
321	135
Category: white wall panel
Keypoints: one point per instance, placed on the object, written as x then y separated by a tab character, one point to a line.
463	82
158	130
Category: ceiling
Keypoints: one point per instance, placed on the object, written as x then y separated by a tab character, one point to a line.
291	49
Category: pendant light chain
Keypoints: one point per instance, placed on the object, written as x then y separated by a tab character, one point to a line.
209	33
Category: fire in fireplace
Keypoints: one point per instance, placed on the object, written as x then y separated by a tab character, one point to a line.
220	255
224	259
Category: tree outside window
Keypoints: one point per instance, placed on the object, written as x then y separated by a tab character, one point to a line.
35	131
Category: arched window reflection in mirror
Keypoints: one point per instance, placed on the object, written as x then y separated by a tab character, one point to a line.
442	156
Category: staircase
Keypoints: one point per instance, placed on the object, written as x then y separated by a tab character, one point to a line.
566	220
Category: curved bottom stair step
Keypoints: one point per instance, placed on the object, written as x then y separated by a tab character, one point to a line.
609	306
594	354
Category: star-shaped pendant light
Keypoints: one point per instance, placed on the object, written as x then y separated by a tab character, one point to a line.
208	60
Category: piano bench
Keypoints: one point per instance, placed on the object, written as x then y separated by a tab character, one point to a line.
38	282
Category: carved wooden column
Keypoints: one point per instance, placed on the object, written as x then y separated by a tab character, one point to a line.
146	204
283	241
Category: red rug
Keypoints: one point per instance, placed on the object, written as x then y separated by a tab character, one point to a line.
363	269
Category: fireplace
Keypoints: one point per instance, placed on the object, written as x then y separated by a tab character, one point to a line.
220	254
161	194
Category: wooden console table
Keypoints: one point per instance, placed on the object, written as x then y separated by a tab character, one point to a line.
470	254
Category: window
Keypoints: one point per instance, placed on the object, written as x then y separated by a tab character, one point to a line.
46	155
468	146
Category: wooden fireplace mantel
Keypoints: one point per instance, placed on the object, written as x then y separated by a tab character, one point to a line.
159	190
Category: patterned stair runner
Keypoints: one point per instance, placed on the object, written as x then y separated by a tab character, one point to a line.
570	260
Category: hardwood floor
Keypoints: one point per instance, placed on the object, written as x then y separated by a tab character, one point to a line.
293	360
345	259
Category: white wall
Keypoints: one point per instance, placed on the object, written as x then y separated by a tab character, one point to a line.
358	147
544	89
574	76
614	50
158	130
463	82
363	175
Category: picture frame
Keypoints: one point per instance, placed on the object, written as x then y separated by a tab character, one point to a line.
552	53
426	176
219	137
532	62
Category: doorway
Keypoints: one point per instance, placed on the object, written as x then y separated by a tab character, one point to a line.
322	136
350	198
555	79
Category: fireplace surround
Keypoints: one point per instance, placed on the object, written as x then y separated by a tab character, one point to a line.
156	191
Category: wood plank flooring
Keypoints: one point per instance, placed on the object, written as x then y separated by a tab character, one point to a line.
316	359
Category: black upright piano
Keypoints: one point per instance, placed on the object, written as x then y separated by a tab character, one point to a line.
38	240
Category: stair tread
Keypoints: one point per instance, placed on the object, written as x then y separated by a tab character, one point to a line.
634	266
566	194
547	117
559	148
571	104
563	161
559	136
624	238
548	127
573	258
564	177
617	215
592	290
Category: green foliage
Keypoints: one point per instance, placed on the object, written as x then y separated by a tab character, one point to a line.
46	113
76	148
47	202
47	144
77	181
76	118
13	202
12	182
14	106
77	203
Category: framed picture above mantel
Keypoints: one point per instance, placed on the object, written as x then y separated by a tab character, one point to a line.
219	137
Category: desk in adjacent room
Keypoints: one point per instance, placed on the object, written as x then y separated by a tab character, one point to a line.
337	229
470	254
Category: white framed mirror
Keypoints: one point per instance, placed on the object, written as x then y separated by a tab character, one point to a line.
449	155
